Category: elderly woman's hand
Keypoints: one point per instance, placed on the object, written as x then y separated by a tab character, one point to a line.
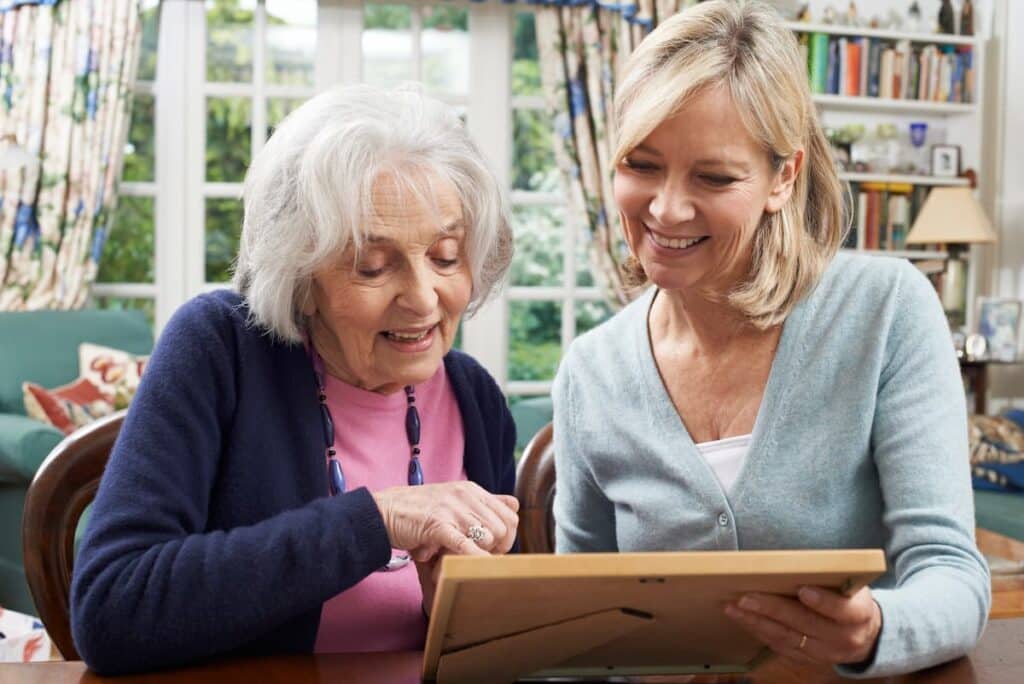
437	518
821	627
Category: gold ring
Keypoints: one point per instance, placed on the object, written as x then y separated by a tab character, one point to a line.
803	642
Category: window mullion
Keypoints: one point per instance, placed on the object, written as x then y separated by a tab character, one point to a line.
259	100
193	243
171	163
339	40
485	336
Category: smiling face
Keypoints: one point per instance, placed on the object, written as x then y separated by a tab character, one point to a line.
692	195
384	316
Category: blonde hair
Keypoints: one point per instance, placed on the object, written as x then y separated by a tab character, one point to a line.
743	46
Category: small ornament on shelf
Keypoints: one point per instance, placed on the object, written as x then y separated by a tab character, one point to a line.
894	21
851	14
919	154
914	21
946	23
830	15
804	13
967	18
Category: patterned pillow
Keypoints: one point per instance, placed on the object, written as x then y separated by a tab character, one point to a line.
66	408
997	454
116	373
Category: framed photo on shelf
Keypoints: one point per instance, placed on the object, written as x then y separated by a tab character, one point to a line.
946	161
999	323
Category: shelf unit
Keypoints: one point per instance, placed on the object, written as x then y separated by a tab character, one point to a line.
953	123
853	177
868	103
884	34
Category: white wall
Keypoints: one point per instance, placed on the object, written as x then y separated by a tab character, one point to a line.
1005	275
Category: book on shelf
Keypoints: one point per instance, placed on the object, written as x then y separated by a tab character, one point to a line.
888	68
883	214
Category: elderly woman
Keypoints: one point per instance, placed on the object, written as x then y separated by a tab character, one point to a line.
294	446
767	392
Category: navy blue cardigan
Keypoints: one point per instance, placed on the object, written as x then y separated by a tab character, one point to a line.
211	532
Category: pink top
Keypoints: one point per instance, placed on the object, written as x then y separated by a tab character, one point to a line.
383	612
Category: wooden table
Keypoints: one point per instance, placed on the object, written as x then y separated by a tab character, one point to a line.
999	659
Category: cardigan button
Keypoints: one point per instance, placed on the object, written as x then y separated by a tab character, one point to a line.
723	519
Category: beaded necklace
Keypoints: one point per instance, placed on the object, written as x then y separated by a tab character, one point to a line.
335	474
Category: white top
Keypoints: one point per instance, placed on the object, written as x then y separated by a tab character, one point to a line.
726	457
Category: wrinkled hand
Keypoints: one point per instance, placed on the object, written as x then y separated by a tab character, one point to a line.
436	517
839	629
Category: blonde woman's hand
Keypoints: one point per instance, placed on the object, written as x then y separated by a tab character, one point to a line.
432	518
820	626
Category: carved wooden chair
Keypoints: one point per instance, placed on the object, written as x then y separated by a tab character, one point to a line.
63	486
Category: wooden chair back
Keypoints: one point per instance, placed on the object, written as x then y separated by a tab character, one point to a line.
535	489
64	485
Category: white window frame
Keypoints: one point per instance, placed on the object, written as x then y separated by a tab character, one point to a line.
179	189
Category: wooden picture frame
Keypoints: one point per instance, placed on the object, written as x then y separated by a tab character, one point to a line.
500	618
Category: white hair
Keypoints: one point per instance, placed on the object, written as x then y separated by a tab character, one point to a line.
308	194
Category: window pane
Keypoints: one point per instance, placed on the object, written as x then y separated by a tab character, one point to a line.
445	49
291	41
533	158
128	254
228	145
150	15
223	226
525	64
590	315
387	44
229	40
538	256
277	109
139	162
122	303
535	333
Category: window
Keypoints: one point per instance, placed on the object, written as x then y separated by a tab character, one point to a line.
551	297
230	70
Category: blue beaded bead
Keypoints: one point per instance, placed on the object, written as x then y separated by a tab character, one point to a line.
412	425
337	477
415	472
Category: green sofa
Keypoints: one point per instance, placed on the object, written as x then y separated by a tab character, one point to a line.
42	347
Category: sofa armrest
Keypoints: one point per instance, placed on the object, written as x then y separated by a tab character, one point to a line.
24	444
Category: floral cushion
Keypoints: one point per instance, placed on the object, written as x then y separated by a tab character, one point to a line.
116	373
66	408
997	454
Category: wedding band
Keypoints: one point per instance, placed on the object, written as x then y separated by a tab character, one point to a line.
476	533
803	642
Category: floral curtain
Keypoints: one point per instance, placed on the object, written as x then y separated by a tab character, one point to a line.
66	72
583	48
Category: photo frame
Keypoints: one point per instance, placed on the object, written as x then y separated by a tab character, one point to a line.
999	323
945	161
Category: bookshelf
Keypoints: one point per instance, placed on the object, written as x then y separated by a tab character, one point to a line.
886	104
867	77
883	34
853	177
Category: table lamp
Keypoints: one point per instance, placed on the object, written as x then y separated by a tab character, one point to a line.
952	216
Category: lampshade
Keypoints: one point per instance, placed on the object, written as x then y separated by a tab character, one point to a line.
951	216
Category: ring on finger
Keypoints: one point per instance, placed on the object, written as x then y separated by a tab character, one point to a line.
476	533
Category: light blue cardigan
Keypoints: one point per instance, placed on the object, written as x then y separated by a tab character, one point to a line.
860	442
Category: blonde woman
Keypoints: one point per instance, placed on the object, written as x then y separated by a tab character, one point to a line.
767	392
